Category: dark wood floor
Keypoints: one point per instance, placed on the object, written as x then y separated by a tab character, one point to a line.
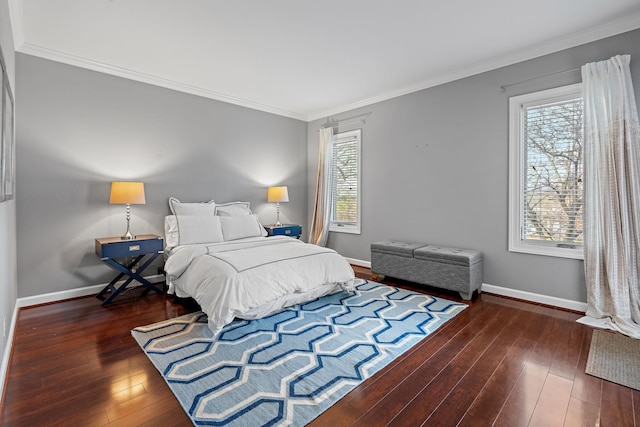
500	362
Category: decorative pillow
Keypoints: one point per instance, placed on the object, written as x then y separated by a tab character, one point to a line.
233	208
241	226
179	208
192	229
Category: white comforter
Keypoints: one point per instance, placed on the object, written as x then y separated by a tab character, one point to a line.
250	278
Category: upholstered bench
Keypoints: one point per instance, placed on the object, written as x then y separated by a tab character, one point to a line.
448	268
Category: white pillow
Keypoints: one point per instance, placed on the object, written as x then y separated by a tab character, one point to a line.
233	208
171	235
192	229
241	226
179	208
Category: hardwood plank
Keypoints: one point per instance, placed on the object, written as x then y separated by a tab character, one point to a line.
157	410
581	413
616	406
636	407
453	408
126	407
553	403
495	392
391	384
429	397
522	400
567	356
80	419
520	404
170	419
104	386
586	388
434	368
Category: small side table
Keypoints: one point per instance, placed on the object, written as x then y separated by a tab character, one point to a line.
110	248
291	230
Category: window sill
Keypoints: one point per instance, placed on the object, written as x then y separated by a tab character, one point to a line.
547	251
344	229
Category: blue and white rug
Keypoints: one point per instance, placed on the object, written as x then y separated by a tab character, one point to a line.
288	368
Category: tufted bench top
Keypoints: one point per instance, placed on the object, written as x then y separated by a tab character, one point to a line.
448	255
395	247
441	254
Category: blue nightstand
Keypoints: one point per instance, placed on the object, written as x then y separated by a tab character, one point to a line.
291	230
111	248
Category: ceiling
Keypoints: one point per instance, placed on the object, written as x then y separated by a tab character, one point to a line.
304	59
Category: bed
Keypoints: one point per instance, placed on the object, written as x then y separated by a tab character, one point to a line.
220	256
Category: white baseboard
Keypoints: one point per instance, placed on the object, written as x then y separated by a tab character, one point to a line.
359	262
4	367
537	298
70	293
512	293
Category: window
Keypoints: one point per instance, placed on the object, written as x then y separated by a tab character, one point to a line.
345	183
545	172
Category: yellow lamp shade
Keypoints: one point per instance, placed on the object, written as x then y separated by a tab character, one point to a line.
278	194
123	193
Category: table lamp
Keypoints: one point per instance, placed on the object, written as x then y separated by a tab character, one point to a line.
277	195
127	193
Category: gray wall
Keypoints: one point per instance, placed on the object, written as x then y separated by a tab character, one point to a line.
79	130
435	168
8	281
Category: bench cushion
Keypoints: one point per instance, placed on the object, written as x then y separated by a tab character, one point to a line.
454	256
394	247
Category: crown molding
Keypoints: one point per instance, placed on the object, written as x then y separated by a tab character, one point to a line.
628	23
78	61
15	17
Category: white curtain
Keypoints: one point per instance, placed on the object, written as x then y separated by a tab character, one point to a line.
319	232
612	196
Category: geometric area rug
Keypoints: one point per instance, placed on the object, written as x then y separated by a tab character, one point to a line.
287	368
614	357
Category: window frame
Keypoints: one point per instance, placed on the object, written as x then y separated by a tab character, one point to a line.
517	171
338	226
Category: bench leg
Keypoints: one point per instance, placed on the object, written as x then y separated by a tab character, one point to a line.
466	295
377	277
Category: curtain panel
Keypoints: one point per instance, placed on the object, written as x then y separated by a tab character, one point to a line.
612	196
319	232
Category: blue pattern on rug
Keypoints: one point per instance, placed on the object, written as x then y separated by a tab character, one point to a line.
286	369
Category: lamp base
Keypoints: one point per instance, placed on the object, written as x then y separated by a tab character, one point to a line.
128	235
278	223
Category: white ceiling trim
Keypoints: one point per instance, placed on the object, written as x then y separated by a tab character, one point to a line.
53	55
622	25
15	16
628	23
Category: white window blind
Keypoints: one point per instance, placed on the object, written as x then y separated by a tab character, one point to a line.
345	183
553	184
546	170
